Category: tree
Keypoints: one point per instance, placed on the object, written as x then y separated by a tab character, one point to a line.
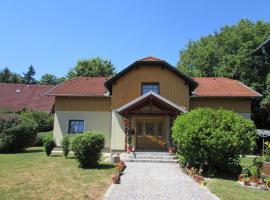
6	76
28	77
92	67
50	79
227	53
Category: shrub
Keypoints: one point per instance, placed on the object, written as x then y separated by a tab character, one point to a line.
258	162
40	136
87	148
214	139
43	120
8	121
17	138
65	145
48	144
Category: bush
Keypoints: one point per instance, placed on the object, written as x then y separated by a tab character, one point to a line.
8	121
18	137
214	139
48	144
65	145
40	136
43	120
87	148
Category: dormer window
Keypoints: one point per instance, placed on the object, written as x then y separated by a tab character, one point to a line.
146	87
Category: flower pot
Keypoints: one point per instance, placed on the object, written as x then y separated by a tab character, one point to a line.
247	183
171	150
130	148
115	179
120	166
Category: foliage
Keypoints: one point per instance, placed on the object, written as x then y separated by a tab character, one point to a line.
48	144
87	148
8	121
6	76
17	138
28	77
254	171
227	53
50	79
40	136
258	162
92	67
267	151
43	119
213	139
65	145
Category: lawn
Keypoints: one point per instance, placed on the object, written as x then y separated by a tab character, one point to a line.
33	175
228	189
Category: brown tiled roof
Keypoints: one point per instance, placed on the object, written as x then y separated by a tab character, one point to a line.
150	58
222	87
82	86
15	97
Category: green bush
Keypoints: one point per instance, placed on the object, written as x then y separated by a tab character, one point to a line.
87	148
48	144
65	145
43	120
40	136
8	121
18	137
214	139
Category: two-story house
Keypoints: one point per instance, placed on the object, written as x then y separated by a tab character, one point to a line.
146	96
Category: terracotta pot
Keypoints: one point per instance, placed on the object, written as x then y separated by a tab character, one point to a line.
129	148
247	183
120	167
240	178
171	150
115	179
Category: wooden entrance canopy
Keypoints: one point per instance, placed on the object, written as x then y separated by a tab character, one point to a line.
150	103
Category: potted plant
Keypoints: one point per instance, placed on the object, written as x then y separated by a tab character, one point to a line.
241	176
254	171
120	166
172	147
116	178
116	158
246	181
129	145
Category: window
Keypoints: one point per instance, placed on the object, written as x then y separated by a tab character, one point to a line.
139	128
159	129
75	126
146	87
149	128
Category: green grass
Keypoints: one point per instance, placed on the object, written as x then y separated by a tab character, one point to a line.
33	175
227	189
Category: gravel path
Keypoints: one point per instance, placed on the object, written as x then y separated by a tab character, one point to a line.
144	181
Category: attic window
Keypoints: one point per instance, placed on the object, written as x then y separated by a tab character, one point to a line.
146	87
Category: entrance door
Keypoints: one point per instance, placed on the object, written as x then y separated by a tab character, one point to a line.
150	134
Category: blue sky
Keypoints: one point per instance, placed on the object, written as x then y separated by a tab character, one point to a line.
53	34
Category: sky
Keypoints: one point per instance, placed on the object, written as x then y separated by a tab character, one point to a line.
53	34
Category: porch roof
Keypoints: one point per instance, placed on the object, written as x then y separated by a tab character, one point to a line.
151	99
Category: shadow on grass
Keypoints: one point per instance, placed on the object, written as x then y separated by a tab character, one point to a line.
32	151
56	155
105	166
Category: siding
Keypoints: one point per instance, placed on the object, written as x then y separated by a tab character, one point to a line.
171	86
240	105
83	104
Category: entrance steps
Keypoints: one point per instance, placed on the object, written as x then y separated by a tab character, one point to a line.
149	157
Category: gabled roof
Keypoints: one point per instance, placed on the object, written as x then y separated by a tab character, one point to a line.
81	86
222	87
15	97
142	100
151	61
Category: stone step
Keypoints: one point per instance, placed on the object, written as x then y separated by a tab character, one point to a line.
170	157
151	160
151	153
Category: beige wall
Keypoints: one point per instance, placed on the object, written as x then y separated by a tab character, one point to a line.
94	121
117	132
83	103
128	87
240	105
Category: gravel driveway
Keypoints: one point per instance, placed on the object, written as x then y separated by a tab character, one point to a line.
151	181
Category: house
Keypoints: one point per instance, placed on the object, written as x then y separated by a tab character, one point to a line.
144	97
15	97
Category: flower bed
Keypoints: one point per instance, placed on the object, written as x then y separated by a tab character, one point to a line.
195	175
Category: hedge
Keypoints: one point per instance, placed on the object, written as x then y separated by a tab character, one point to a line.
17	138
213	140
